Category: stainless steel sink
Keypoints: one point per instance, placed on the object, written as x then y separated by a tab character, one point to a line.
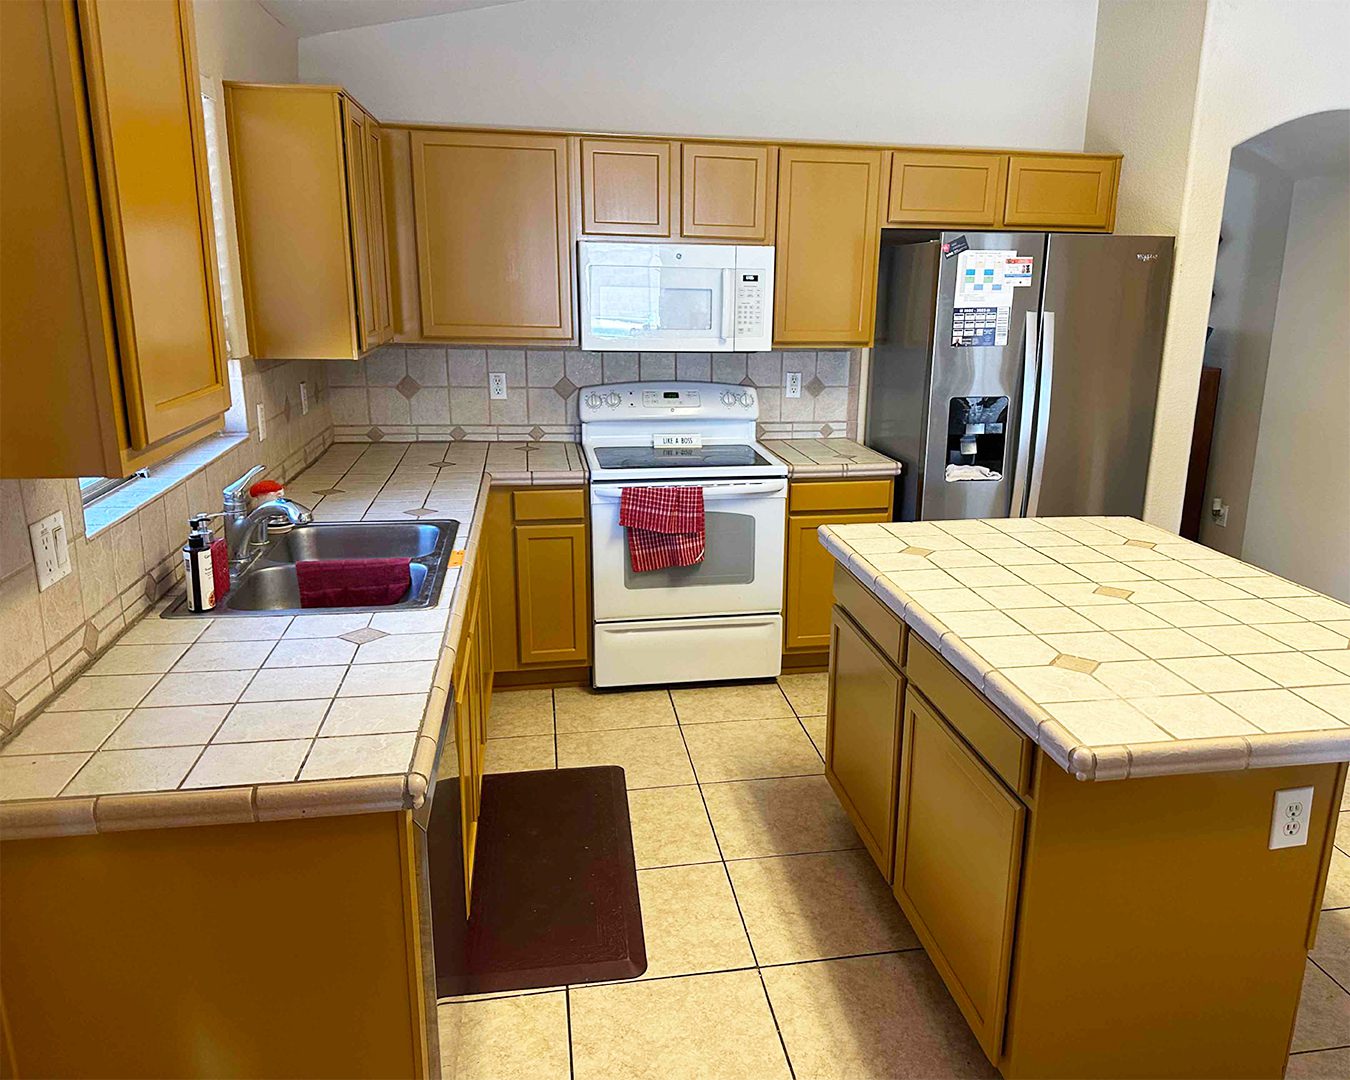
270	585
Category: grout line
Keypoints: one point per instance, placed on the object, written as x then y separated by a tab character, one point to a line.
567	1005
1344	989
774	1017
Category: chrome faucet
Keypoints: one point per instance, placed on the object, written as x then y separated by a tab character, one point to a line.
246	531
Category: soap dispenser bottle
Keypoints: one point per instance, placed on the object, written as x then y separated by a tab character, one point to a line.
197	562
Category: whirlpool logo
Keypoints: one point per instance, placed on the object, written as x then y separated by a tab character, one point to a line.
1146	256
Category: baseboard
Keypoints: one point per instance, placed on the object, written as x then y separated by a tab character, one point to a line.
799	663
543	677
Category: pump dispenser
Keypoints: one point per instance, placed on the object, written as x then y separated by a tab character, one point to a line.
199	578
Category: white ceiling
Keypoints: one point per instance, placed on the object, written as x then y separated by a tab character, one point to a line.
310	17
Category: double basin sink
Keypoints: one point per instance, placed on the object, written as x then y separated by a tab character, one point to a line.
270	585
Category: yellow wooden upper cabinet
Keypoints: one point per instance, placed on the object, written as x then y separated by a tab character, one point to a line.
494	249
310	221
626	188
728	192
828	234
1062	191
930	187
111	334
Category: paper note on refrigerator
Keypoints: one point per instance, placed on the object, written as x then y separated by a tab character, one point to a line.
982	302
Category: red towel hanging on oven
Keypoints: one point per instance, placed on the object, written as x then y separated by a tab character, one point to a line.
665	526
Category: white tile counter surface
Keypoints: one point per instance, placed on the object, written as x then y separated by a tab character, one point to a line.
199	721
821	459
1121	649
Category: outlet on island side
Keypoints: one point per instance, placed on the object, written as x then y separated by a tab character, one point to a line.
497	385
1289	823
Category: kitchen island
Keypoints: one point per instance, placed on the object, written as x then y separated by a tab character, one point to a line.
1062	740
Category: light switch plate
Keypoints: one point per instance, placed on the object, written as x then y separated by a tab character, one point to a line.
792	384
1289	823
497	385
51	549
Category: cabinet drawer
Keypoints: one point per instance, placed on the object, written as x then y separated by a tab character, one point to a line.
839	495
549	504
1005	749
882	625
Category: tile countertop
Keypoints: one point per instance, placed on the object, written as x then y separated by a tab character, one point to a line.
823	459
204	721
1120	648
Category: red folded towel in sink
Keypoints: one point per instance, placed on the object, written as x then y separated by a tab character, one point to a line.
353	582
665	526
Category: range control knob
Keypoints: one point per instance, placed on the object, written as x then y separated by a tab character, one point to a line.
728	397
747	399
612	399
594	401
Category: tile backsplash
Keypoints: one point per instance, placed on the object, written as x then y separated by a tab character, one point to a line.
405	393
132	556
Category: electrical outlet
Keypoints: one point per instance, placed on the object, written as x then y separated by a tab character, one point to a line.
1219	513
262	423
792	384
51	549
304	398
497	385
1289	823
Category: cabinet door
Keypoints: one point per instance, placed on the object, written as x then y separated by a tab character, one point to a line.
828	235
552	593
863	737
727	191
376	211
810	575
493	235
957	867
930	188
1063	191
149	139
354	123
625	188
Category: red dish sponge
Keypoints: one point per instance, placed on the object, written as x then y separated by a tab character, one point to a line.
353	582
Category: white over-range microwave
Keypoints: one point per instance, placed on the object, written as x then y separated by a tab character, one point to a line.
676	297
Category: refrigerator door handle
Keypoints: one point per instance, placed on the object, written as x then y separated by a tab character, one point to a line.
1045	381
1022	466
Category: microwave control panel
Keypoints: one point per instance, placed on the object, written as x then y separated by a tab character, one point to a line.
749	303
753	298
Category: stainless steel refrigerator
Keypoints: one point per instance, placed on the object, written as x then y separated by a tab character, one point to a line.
1016	374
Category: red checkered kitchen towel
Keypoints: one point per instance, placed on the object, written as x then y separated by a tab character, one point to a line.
665	526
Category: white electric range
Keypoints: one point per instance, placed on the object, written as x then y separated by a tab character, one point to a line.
721	618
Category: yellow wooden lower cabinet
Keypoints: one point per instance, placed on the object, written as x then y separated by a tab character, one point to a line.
1136	928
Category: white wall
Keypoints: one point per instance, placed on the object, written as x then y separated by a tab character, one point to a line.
1298	522
237	39
950	72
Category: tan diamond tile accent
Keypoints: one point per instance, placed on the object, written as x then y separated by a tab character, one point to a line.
815	386
362	636
374	434
328	491
1112	590
917	551
1075	663
826	430
408	386
564	387
536	432
1141	543
457	433
421	511
90	638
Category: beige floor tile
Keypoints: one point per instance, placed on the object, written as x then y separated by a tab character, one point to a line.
650	757
787	816
1319	1065
751	750
510	1038
705	1026
670	827
520	712
816	727
1343	829
690	921
872	1016
806	692
1332	953
1337	894
809	907
1323	1012
64	733
579	708
523	753
744	701
111	772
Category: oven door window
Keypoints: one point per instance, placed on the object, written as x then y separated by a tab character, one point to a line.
728	557
652	302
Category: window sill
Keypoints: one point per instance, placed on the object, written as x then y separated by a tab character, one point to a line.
126	500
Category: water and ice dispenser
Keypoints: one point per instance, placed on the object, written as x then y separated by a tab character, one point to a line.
976	438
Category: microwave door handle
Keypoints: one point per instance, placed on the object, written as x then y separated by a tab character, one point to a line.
611	492
1045	380
728	305
1025	411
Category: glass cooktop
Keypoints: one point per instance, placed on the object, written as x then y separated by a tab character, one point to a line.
705	457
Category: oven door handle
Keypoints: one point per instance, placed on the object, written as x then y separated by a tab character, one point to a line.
735	490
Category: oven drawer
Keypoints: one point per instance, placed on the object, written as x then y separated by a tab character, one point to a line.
664	651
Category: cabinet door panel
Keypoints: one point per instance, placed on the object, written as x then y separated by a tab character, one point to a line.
863	742
494	248
810	577
1061	191
149	138
552	593
625	188
728	191
376	210
354	123
930	188
957	867
828	234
